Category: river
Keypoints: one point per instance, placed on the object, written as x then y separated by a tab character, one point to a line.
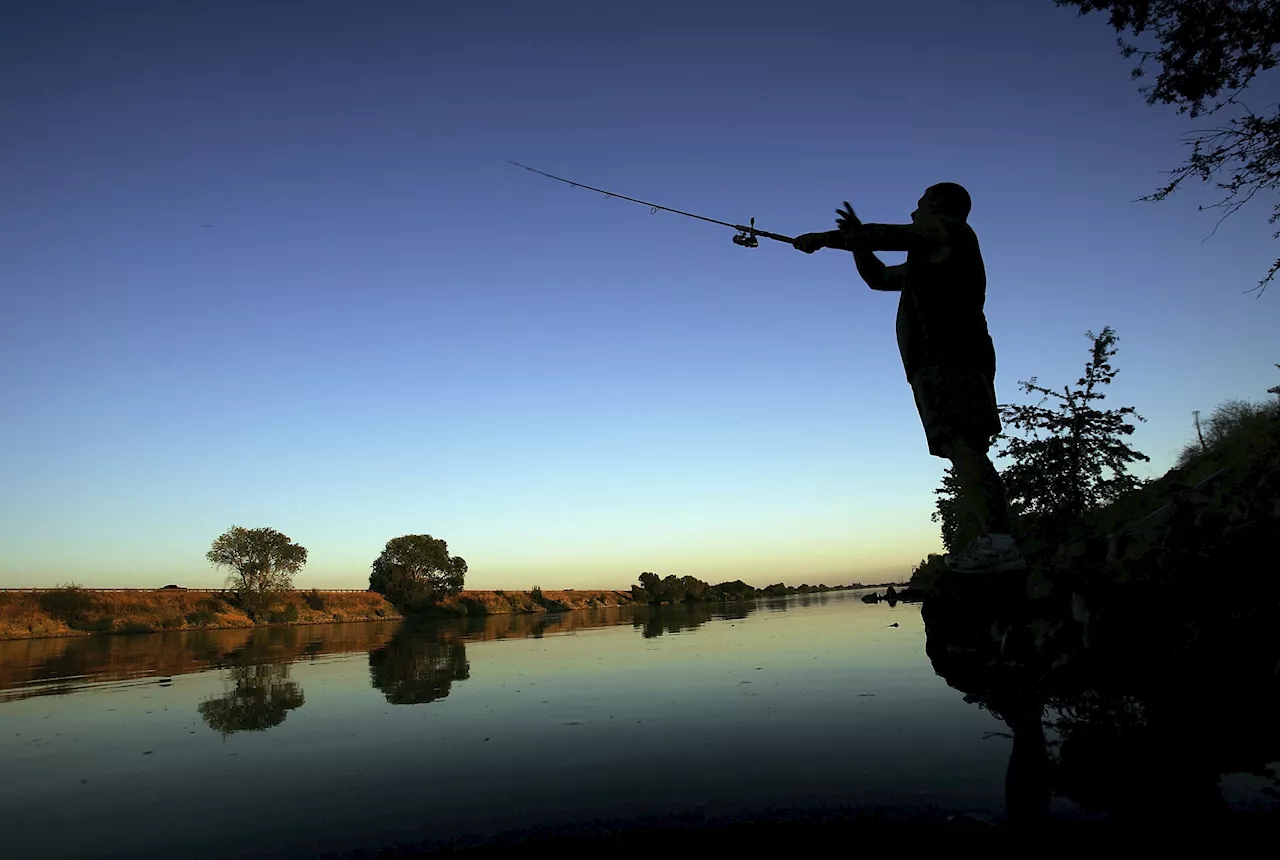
301	740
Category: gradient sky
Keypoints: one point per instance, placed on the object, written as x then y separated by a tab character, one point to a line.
390	330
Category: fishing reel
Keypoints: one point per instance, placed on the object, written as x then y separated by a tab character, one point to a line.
747	236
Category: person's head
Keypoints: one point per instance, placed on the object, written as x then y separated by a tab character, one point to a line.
946	199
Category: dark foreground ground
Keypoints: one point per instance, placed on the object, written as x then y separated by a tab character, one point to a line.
841	832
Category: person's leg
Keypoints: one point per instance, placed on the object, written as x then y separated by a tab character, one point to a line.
958	410
995	549
982	487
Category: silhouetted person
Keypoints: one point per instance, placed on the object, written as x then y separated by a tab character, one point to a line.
946	349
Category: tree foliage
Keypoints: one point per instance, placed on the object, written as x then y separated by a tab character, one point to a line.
416	570
686	589
1069	457
1208	52
262	560
957	519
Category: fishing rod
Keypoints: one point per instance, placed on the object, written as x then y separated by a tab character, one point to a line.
746	235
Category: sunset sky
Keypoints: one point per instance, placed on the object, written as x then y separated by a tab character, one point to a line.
387	329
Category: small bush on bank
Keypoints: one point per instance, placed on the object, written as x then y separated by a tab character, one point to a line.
285	615
69	603
202	617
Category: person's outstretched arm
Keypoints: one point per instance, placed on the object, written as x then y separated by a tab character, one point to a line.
926	233
877	275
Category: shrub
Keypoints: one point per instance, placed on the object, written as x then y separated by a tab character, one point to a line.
101	625
287	615
202	617
314	599
1234	424
472	606
70	603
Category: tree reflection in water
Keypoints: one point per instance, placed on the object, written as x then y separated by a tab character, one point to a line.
654	621
259	696
413	668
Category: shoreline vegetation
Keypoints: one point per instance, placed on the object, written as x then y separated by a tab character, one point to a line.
75	611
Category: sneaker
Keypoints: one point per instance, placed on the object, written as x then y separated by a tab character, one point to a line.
988	554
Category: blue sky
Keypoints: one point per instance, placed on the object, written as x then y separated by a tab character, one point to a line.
389	330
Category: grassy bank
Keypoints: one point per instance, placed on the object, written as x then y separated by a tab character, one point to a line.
72	611
80	612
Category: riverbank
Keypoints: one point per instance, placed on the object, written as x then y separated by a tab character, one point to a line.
85	612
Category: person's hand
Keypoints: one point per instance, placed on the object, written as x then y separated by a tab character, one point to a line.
846	220
810	242
848	224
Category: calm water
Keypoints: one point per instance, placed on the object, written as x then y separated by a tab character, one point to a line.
359	735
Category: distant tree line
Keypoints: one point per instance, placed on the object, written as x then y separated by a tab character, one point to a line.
689	589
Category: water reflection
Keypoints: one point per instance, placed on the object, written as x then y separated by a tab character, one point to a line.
1130	747
259	696
56	666
683	617
413	668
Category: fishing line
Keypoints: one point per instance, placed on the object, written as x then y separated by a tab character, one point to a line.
746	236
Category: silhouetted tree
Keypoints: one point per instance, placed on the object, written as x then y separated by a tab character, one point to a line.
263	561
958	521
1072	457
414	570
1207	54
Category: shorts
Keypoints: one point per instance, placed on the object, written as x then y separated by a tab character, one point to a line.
956	403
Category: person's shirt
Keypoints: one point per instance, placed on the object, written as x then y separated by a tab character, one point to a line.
941	318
